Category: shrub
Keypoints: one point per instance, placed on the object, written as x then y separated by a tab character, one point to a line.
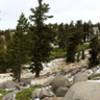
26	93
3	93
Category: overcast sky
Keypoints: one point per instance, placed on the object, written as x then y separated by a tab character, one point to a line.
63	11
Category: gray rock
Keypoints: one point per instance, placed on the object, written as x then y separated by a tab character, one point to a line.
9	96
88	90
42	93
35	94
81	76
61	91
46	92
59	81
47	83
89	71
25	82
9	85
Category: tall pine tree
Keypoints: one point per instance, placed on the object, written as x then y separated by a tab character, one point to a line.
94	51
42	37
18	48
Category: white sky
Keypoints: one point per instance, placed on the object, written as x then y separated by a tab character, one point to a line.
63	11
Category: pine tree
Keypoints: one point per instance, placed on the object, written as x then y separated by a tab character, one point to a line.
61	35
18	48
94	51
3	59
74	38
42	36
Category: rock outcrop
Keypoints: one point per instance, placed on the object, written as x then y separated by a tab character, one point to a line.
88	90
60	85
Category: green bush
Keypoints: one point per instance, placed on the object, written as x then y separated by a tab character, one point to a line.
3	93
26	93
57	53
82	47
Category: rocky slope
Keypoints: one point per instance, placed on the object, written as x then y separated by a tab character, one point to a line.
59	81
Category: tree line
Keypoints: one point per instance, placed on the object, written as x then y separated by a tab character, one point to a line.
31	42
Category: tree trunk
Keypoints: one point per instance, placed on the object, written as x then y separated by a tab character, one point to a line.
83	54
18	78
37	74
78	56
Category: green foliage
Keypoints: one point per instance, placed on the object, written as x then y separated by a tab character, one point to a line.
94	52
18	48
39	14
3	51
26	94
61	35
42	36
74	40
57	53
3	93
23	24
81	47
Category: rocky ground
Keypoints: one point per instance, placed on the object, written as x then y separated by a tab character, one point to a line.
59	81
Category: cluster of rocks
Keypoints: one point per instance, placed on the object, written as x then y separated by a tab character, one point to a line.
13	88
77	84
5	77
